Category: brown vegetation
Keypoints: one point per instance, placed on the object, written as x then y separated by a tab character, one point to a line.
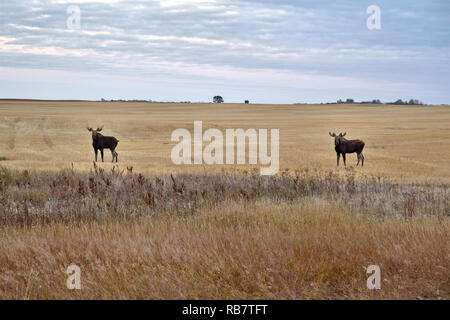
67	196
299	235
407	143
145	228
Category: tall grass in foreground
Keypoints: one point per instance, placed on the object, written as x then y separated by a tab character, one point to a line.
268	252
297	235
29	198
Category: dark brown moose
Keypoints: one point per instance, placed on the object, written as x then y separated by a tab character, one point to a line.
100	142
343	146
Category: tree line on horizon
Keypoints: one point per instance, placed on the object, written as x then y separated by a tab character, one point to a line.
219	99
413	102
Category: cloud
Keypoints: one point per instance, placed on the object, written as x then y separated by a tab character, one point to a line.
286	44
83	1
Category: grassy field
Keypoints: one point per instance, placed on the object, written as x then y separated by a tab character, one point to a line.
196	232
406	142
221	236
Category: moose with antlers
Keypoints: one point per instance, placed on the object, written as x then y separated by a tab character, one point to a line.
343	146
100	142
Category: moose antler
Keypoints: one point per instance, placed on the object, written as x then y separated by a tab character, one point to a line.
88	128
100	128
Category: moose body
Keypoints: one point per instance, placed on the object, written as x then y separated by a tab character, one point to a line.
100	142
344	146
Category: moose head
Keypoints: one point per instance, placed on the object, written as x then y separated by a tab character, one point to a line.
95	132
338	138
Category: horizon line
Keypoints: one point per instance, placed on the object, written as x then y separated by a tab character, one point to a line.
208	102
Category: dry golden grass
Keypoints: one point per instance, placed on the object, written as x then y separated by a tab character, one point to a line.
405	142
222	236
263	252
307	233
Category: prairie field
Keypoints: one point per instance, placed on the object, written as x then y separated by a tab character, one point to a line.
147	229
406	142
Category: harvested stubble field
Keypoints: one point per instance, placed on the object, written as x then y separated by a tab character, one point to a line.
411	143
166	232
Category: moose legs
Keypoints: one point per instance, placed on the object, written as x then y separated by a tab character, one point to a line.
360	158
96	154
115	155
344	157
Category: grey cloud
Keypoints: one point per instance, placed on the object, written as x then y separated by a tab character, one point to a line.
304	37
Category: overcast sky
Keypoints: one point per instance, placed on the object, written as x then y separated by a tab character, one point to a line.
278	51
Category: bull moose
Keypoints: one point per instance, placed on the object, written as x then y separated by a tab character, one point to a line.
343	146
100	142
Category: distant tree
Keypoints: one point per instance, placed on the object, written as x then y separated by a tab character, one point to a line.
415	102
218	99
399	102
340	101
376	101
350	101
247	102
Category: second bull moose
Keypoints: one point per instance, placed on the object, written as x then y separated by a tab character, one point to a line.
344	146
100	142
